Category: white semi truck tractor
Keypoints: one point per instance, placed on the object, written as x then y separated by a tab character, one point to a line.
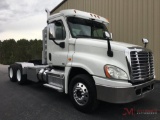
80	58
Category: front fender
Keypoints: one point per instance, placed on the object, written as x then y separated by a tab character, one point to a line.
94	63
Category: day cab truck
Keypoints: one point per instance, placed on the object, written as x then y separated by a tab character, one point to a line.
80	58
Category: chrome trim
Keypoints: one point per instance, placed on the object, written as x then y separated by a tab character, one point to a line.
139	53
60	76
129	68
80	94
52	77
59	89
40	74
128	60
124	94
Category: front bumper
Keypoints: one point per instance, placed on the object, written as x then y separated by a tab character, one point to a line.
117	92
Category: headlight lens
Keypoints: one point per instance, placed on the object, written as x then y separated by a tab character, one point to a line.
115	72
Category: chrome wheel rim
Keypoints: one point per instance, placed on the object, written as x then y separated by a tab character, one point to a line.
19	75
11	73
80	94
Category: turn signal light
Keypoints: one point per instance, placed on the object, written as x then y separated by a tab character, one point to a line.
106	72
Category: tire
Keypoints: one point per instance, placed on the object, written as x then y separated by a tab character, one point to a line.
12	72
21	79
82	92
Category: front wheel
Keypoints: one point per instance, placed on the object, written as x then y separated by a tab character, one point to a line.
83	94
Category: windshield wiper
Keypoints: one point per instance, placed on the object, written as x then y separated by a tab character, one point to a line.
86	36
83	36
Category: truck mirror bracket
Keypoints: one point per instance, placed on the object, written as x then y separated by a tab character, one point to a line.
108	38
109	52
61	44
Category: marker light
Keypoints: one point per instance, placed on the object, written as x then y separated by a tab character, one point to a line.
107	20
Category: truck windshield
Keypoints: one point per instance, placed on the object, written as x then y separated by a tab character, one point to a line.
84	28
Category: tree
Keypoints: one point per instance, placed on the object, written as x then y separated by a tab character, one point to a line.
22	50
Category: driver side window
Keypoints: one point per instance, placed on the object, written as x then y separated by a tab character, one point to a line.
60	33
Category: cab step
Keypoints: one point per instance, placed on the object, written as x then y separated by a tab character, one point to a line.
59	89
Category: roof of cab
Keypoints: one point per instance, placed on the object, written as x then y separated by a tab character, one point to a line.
73	12
78	13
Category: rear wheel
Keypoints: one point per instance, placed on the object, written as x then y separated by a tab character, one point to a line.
83	94
12	72
21	79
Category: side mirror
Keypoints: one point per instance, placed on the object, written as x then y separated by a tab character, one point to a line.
108	38
62	44
107	34
145	42
52	32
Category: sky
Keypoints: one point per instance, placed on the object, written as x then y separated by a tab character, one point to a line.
24	18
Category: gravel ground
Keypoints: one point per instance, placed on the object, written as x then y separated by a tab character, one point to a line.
35	102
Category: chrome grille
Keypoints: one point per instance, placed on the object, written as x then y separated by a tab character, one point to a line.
142	65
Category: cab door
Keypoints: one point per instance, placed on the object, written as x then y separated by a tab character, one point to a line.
56	54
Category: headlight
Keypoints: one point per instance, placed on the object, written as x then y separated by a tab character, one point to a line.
115	72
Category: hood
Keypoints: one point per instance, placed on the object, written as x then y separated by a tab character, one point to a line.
118	46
